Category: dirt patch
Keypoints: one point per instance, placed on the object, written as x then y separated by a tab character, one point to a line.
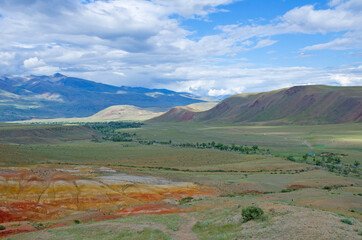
151	209
298	186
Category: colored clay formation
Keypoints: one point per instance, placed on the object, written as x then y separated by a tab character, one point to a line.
39	194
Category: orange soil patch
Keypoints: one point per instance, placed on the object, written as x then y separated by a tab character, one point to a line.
297	186
7	216
20	211
151	209
8	232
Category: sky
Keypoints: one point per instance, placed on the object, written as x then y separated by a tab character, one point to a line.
205	47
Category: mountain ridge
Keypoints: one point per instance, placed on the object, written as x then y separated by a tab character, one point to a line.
311	104
59	96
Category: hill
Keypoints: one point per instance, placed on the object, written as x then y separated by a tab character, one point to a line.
112	113
59	96
300	104
123	113
183	113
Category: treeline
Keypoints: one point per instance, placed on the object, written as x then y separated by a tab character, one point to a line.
332	163
255	149
110	134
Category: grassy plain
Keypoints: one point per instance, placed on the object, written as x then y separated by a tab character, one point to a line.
301	201
283	140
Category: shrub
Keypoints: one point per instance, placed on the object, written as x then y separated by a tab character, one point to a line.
347	221
2	227
186	200
251	213
37	225
76	221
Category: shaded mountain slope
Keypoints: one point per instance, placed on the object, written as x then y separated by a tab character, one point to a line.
60	96
184	113
299	104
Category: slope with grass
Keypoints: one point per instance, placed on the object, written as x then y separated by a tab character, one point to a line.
46	134
316	104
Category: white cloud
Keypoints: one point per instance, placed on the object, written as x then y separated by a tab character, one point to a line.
304	55
333	3
6	57
308	20
215	81
120	74
144	43
345	16
265	43
188	8
224	92
39	67
349	40
347	79
44	70
33	62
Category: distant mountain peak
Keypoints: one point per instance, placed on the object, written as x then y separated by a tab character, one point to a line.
59	96
57	75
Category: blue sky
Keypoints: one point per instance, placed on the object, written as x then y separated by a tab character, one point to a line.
206	47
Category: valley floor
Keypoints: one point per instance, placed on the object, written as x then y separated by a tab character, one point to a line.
58	183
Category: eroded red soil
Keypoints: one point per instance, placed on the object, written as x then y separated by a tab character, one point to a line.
45	194
151	209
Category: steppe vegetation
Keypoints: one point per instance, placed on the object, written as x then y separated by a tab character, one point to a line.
180	181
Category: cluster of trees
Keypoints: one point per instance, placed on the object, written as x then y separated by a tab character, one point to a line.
255	149
333	163
111	126
109	130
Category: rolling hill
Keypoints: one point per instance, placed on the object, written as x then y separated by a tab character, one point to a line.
112	113
59	96
123	113
314	104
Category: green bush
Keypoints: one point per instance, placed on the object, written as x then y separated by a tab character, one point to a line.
347	221
251	213
2	227
186	200
76	221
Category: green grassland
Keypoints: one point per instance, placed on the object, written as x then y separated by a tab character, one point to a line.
283	140
134	154
238	180
217	219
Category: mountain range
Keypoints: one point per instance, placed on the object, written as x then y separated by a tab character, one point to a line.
59	96
314	104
